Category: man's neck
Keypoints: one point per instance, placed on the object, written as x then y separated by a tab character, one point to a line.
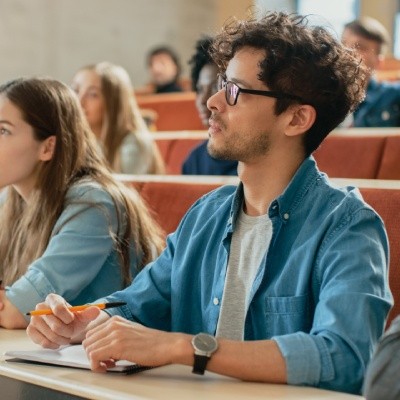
264	180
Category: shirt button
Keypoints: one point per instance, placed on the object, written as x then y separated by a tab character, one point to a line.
286	216
216	301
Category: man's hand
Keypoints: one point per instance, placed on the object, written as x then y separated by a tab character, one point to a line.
64	326
120	339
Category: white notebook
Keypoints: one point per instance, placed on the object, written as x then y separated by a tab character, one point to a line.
73	356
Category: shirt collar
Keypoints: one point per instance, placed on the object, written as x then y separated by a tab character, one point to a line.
291	197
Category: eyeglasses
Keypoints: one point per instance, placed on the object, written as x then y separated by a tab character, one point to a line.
232	91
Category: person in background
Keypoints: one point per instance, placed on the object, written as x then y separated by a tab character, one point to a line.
66	225
204	76
381	107
108	101
281	279
382	380
165	70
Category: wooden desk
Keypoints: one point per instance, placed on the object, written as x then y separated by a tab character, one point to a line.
27	381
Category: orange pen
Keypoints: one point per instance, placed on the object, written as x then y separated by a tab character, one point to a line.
77	308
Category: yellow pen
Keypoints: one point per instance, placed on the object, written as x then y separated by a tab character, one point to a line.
77	308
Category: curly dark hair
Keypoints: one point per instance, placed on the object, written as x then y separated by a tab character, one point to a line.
302	60
200	58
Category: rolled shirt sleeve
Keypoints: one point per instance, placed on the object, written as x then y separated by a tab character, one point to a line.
351	311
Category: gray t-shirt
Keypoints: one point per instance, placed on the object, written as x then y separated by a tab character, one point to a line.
250	242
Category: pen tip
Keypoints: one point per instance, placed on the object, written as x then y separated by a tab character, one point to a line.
115	304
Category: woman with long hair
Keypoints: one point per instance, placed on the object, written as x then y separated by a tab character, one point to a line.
107	98
67	225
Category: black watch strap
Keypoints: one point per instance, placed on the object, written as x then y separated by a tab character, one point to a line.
200	363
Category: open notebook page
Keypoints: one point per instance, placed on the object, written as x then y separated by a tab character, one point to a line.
69	356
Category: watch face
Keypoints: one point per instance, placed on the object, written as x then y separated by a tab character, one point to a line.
205	343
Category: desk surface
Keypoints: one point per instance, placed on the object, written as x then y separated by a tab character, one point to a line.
168	382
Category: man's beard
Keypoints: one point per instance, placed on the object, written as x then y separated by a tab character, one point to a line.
236	150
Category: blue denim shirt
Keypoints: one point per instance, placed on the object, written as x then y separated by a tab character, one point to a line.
381	107
321	291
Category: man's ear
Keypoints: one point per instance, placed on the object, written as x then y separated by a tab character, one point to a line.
303	118
47	148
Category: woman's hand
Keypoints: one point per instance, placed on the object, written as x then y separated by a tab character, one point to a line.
10	316
63	326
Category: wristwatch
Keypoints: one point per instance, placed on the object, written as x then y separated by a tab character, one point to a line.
204	346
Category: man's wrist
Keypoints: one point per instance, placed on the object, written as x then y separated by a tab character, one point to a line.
183	349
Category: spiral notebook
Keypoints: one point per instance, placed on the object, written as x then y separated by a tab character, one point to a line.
73	356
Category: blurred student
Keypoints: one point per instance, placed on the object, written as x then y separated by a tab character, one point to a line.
382	380
106	95
66	225
381	107
204	76
165	69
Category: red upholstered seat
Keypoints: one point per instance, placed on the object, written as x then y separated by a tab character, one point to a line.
386	203
165	147
350	156
179	150
170	201
175	111
390	164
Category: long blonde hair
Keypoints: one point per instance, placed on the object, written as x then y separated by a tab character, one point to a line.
122	115
51	108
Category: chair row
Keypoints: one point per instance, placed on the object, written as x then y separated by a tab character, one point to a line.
174	111
175	147
169	197
343	154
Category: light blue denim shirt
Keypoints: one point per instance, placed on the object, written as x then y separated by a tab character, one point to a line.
80	262
321	291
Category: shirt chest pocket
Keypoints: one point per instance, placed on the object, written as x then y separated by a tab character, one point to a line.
284	315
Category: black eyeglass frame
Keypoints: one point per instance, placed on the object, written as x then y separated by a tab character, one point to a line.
223	84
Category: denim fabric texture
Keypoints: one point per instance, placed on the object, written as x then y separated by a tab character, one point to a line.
80	262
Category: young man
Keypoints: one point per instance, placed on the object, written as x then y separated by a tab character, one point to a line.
204	80
381	107
287	271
